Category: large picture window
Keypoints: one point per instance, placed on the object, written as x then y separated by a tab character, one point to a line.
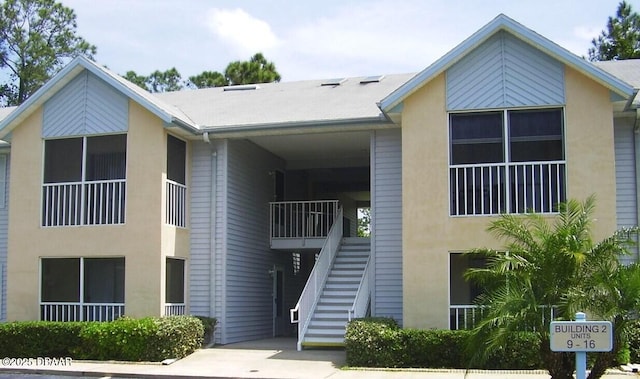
84	181
509	161
82	289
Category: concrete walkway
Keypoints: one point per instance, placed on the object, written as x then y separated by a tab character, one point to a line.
270	358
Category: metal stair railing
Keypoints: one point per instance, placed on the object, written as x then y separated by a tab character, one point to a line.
306	305
363	295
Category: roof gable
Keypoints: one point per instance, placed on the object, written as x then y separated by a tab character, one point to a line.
168	113
528	36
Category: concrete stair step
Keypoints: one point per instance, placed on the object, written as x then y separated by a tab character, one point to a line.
331	307
335	301
322	331
340	293
342	286
348	266
323	341
351	259
328	324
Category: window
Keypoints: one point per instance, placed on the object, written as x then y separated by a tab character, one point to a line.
463	313
507	161
175	281
84	181
176	188
82	289
176	159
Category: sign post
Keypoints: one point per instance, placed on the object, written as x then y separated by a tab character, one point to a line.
581	336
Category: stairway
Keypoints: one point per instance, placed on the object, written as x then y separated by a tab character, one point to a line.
327	325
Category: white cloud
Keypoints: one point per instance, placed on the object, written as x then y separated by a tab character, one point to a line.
241	31
381	38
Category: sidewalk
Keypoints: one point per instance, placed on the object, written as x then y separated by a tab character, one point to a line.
270	358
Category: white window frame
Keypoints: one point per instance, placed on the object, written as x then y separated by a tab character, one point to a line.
506	162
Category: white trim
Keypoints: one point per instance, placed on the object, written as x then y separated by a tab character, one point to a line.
3	182
507	164
372	222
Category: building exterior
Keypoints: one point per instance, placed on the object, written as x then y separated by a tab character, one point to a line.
241	202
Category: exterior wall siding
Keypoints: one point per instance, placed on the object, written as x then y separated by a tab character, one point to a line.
200	257
626	193
386	242
206	281
248	301
4	225
504	72
85	106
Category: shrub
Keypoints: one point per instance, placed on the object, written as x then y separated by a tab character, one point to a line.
372	343
209	324
176	337
380	343
124	339
39	338
146	339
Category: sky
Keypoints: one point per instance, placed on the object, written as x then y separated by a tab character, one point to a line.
308	39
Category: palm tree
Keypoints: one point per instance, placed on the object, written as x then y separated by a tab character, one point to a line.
544	272
610	292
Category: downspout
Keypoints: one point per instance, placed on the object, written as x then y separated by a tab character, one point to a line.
636	153
212	225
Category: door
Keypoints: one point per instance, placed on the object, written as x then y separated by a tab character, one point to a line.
279	315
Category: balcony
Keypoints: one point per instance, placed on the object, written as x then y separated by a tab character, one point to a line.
492	189
100	202
301	224
74	311
467	316
175	309
176	204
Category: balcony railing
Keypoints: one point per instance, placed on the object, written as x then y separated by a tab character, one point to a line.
176	204
491	189
175	309
71	311
302	219
466	316
83	203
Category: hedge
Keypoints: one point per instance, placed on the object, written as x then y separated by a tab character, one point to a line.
377	343
126	339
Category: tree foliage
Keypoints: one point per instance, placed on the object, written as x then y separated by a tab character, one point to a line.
255	70
37	38
553	268
621	39
208	79
364	222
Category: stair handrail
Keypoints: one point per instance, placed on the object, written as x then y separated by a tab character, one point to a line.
363	294
313	288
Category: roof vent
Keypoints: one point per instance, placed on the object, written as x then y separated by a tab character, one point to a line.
333	82
244	87
372	79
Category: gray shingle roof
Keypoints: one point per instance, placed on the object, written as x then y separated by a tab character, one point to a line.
626	70
282	103
297	103
4	112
